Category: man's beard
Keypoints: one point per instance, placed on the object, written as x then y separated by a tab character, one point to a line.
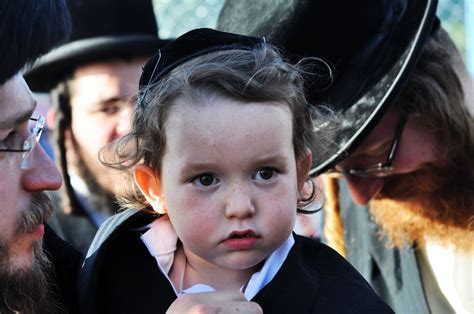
28	289
435	202
99	199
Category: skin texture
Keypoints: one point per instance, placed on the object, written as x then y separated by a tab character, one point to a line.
224	301
255	189
17	185
101	102
416	147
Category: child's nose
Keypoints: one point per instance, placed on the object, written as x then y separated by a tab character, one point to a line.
240	203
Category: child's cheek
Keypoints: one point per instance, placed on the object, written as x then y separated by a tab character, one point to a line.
279	208
195	210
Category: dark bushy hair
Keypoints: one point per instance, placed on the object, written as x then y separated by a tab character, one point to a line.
258	75
29	29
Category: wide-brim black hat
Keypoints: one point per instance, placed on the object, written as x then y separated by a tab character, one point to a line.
102	30
371	45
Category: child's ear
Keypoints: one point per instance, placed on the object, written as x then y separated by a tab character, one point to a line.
149	184
303	165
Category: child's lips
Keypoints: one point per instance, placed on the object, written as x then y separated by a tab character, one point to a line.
241	240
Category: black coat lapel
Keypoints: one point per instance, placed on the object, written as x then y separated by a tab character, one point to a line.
294	288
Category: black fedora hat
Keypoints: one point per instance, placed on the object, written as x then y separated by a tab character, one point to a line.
372	46
101	30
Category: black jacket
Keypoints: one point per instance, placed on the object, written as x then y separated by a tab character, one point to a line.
66	262
77	229
120	276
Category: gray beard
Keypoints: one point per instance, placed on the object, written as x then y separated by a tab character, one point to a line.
28	290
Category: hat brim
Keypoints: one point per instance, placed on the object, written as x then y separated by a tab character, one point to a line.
52	68
359	119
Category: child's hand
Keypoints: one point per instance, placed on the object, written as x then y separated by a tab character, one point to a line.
214	302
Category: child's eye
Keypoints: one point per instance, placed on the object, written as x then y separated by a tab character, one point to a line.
264	174
205	180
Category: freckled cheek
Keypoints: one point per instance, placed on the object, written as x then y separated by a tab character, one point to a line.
280	208
188	212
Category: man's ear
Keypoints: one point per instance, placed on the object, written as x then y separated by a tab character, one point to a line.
149	184
303	165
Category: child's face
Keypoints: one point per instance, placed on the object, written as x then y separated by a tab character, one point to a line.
229	180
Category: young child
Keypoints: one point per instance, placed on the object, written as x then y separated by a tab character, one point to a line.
220	149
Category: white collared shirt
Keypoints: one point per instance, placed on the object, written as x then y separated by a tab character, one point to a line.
162	242
82	192
448	271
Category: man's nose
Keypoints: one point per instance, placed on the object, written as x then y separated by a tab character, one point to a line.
363	189
124	120
42	174
239	203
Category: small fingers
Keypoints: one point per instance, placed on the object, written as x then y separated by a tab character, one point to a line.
227	308
224	301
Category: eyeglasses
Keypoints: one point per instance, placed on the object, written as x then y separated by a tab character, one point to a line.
382	169
29	143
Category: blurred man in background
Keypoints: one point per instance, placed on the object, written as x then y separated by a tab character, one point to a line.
92	81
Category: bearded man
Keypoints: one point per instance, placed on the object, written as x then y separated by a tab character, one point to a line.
92	82
421	215
35	275
405	144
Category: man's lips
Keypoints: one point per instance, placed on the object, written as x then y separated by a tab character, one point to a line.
38	232
241	240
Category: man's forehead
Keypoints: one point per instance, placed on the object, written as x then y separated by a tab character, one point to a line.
16	102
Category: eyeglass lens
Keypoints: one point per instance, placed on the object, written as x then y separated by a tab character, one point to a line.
31	141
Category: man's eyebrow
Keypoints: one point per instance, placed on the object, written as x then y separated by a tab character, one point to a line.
10	122
122	97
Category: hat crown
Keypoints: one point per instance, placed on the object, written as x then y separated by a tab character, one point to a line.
360	39
371	45
101	30
103	18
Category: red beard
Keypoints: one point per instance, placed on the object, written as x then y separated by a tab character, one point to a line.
435	202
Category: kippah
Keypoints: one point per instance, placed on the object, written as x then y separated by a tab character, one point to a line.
188	46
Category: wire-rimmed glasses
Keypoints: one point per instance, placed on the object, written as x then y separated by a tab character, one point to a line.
381	169
29	143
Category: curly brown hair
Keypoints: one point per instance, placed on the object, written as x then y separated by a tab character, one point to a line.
257	75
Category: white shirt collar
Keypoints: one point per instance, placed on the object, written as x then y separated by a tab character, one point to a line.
82	192
162	241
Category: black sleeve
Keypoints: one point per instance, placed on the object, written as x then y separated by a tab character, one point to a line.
66	262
